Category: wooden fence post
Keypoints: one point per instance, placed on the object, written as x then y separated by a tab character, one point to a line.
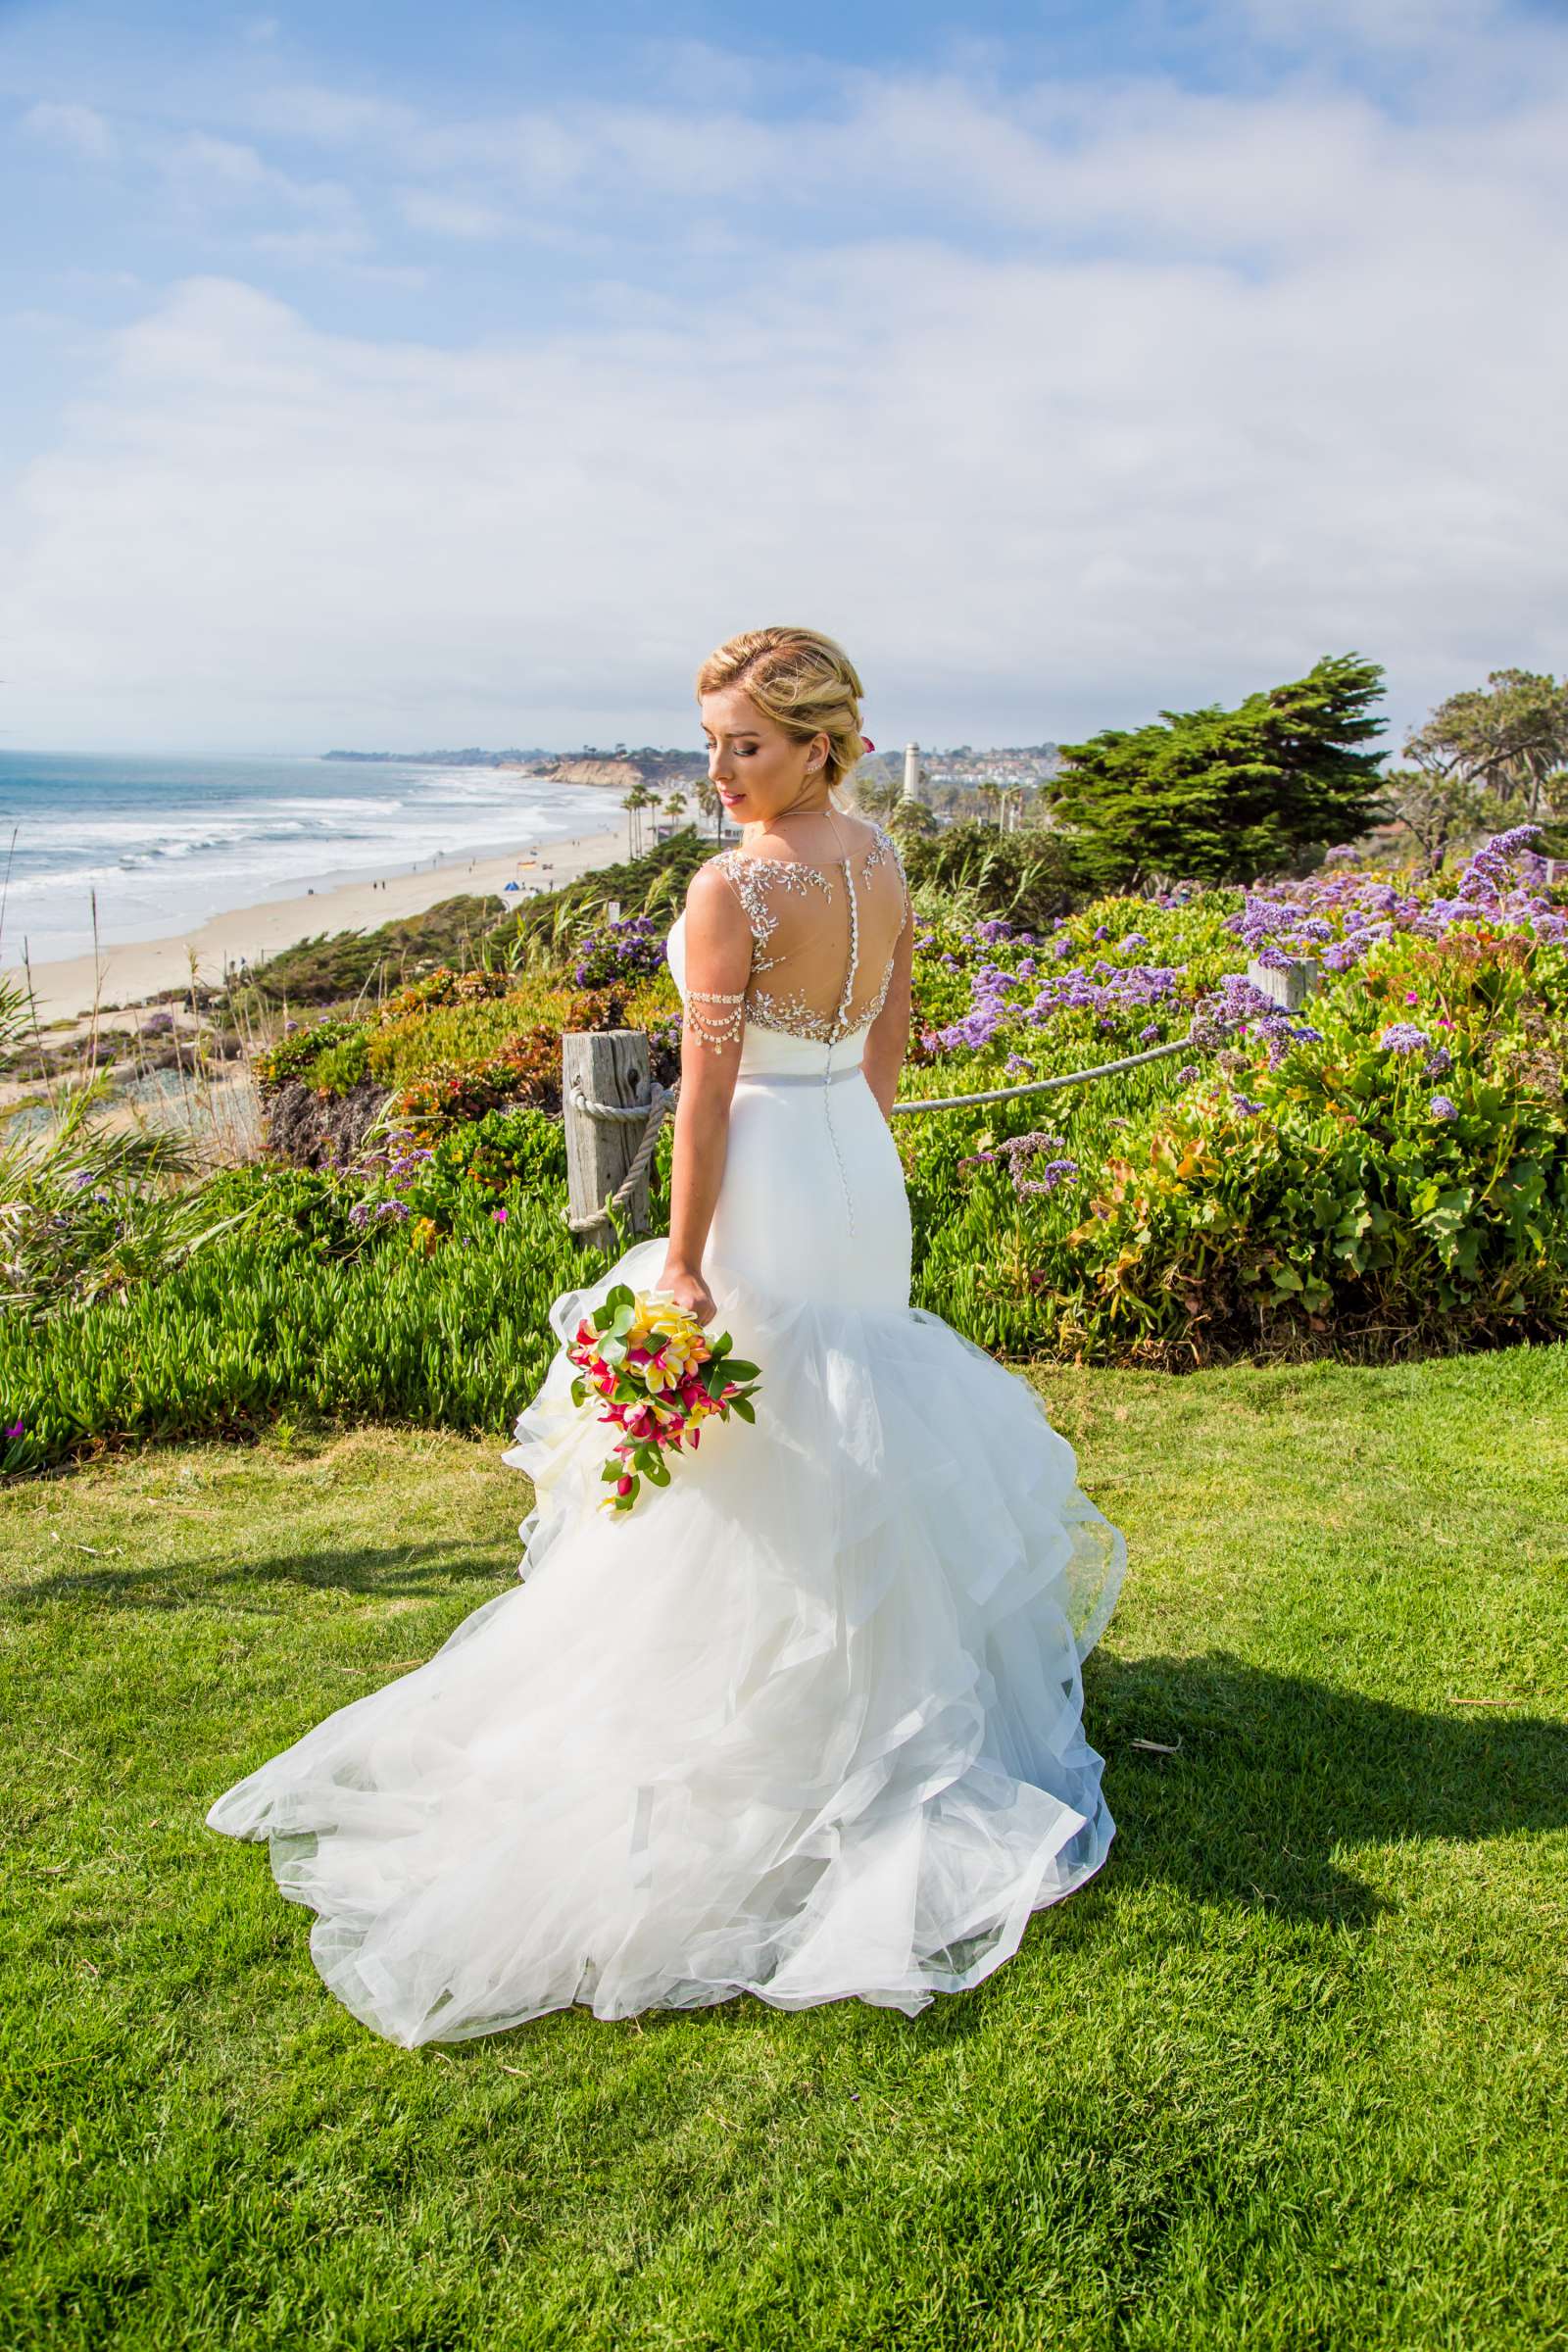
1289	984
611	1065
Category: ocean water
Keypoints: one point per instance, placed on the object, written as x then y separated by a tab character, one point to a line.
167	843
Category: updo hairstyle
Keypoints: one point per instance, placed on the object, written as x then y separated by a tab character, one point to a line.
802	681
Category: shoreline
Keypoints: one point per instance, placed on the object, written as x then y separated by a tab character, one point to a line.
66	987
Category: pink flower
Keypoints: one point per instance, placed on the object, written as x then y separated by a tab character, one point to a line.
500	1215
1410	997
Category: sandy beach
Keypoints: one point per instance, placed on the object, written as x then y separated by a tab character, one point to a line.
126	976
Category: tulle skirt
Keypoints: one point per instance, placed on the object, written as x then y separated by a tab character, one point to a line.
804	1723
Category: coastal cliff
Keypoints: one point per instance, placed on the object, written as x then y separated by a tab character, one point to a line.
623	773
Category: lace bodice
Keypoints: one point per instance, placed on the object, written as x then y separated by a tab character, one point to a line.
826	934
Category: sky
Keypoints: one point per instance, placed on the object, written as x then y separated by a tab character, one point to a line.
395	376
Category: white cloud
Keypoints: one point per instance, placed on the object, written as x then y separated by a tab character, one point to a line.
1057	404
332	118
80	129
211	170
451	215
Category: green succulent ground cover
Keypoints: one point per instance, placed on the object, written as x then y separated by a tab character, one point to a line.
1249	1197
1292	2072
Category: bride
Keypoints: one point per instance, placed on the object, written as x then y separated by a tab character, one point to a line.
808	1722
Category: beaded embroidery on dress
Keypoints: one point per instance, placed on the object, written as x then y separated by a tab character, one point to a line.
820	929
809	1726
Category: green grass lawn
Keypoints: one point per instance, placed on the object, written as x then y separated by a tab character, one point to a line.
1292	2071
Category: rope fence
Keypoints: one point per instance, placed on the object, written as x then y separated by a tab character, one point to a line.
661	1101
659	1106
1287	985
1041	1086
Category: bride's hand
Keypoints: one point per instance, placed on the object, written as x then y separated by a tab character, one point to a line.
689	1291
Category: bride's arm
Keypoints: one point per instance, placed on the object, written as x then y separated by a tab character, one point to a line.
887	1041
719	946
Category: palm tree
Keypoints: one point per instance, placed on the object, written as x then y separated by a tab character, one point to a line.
639	798
875	797
706	795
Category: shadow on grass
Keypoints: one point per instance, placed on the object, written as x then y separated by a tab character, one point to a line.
396	1571
1276	1778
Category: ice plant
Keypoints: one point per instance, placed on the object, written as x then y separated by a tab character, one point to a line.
659	1376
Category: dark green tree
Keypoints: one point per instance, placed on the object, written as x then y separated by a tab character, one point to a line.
1228	796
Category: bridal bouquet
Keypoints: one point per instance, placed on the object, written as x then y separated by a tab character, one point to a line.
660	1376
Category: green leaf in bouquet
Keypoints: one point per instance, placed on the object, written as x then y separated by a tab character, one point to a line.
738	1369
580	1391
738	1404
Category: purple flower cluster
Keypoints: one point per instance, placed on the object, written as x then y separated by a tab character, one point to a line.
1443	1107
620	950
375	1212
1338	915
1237	1006
1104	988
1019	1150
1404	1037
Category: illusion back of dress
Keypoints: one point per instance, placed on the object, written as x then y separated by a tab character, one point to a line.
812	1200
824	937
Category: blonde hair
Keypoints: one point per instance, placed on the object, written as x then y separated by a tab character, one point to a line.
802	680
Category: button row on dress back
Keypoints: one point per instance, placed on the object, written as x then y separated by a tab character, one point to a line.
839	1022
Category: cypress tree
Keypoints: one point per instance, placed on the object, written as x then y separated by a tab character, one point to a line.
1229	796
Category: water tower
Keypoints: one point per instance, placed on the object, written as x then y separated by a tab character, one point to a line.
911	771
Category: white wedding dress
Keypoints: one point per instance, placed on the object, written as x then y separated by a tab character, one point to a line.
806	1723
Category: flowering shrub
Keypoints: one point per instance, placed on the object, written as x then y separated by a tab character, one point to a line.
1354	1200
1386	1166
444	986
619	952
527	1070
1384	1169
300	1046
508	1155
